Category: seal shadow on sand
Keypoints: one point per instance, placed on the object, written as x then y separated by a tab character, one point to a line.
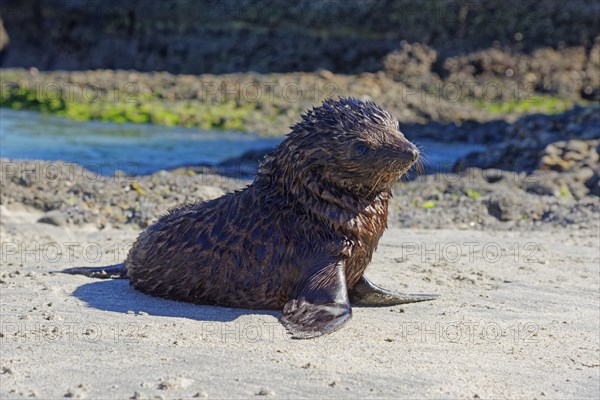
119	296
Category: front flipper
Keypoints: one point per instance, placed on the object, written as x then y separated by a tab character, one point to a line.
365	293
322	304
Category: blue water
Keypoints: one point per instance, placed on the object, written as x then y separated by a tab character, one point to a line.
105	147
143	149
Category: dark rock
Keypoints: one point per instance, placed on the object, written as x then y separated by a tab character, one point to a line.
411	63
547	142
593	184
54	217
501	208
245	165
543	188
513	75
492	175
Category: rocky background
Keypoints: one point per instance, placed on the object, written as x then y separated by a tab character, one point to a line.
349	37
554	48
519	77
550	179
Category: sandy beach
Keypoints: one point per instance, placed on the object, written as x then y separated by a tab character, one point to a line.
517	318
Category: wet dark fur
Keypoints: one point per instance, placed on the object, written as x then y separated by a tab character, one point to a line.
315	199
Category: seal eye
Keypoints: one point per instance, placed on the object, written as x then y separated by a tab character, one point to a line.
361	150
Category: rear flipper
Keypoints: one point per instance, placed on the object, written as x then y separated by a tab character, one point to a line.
117	271
365	293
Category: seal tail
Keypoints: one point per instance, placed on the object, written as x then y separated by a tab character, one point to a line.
117	271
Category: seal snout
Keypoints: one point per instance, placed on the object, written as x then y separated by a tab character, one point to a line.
406	152
414	153
410	152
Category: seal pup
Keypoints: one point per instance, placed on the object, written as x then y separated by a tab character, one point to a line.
299	238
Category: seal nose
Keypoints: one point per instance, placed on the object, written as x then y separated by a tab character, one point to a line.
406	152
414	152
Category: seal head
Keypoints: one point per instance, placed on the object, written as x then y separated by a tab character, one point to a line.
348	144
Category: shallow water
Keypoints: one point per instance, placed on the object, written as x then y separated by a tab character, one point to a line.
105	147
143	149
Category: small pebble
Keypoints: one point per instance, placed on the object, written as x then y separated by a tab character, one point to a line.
265	392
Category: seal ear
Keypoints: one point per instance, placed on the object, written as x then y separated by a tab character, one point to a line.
322	304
